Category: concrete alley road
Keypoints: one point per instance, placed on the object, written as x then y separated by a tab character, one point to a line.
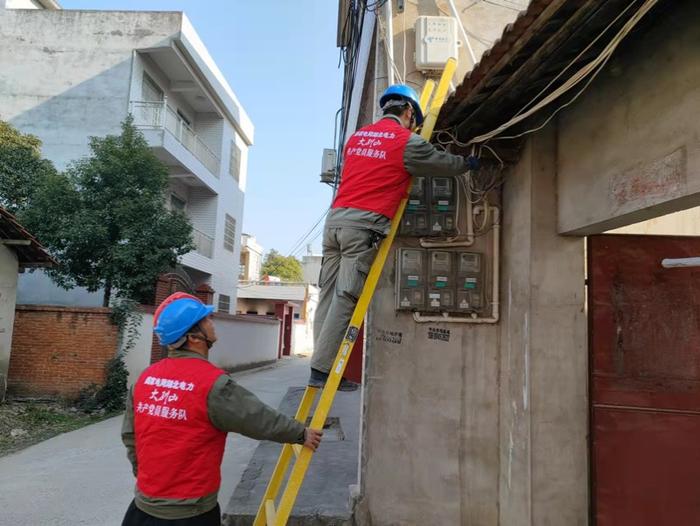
84	478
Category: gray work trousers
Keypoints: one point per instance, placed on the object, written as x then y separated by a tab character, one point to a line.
348	253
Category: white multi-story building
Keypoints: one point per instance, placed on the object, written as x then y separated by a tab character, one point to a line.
251	258
68	75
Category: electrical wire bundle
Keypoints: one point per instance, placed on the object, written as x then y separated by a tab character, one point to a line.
585	75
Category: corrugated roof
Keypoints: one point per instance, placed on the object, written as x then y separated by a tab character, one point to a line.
273	292
30	252
531	52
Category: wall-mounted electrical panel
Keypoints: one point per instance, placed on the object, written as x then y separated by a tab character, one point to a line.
411	279
415	218
440	281
436	41
443	193
432	208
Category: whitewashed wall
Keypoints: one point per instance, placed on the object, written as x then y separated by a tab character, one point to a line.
243	342
139	357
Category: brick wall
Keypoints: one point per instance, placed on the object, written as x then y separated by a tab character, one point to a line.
56	351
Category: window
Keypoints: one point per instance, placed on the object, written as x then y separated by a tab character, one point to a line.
177	204
234	164
224	303
241	271
229	233
150	91
184	118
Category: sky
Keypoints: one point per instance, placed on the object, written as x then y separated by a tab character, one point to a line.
280	58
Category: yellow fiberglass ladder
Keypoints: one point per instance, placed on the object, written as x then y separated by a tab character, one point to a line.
268	514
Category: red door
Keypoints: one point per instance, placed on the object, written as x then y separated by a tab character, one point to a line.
645	381
288	325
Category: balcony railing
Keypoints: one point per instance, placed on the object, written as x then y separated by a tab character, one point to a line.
158	115
203	243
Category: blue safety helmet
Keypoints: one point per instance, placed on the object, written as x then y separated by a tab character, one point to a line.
178	317
403	92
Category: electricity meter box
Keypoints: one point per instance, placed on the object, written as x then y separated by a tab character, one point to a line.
415	218
443	205
441	284
410	279
436	41
469	281
446	281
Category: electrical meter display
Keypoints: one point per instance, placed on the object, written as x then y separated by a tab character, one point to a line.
415	218
469	281
410	294
418	198
440	280
443	193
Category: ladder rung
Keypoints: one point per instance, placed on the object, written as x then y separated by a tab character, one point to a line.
297	449
270	512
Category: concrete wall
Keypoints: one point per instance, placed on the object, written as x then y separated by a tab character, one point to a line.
84	86
683	223
463	431
8	290
543	352
244	341
629	148
36	288
303	337
139	357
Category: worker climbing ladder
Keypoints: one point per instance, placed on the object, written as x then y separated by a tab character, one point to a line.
269	514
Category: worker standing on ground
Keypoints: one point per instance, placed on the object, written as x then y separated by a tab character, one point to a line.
378	162
178	414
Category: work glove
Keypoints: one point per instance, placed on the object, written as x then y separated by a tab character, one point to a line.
472	162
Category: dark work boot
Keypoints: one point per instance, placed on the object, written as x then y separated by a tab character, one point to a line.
318	380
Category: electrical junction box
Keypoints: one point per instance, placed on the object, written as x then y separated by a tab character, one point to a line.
436	41
328	165
415	218
410	279
469	281
443	194
441	293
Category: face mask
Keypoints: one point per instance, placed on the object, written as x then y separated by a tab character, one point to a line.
202	337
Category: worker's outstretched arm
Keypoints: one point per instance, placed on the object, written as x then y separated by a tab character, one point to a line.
422	159
233	408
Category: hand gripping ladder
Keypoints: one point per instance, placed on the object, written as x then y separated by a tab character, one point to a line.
267	514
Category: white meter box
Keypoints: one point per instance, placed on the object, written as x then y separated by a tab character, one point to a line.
436	41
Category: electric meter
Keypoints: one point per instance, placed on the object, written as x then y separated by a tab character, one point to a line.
469	281
410	282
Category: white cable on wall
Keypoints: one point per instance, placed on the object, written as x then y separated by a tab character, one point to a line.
467	41
592	68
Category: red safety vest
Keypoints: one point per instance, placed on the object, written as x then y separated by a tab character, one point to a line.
178	449
374	177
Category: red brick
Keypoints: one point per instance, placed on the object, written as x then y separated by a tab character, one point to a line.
57	351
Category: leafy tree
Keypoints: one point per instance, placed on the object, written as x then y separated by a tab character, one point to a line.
21	168
106	219
287	268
